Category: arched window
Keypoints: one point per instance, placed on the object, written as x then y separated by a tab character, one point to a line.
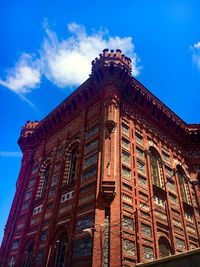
28	256
73	165
156	167
45	182
164	247
44	177
182	185
61	247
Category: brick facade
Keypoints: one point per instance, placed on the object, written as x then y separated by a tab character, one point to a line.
108	178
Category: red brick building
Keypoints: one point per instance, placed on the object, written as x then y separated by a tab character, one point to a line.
109	178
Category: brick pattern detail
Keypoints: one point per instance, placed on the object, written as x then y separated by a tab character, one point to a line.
69	149
42	171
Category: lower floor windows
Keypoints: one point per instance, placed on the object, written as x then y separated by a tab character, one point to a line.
147	253
180	244
164	247
128	247
61	246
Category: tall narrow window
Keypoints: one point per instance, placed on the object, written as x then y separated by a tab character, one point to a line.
156	168
45	182
164	247
73	165
181	180
28	256
60	252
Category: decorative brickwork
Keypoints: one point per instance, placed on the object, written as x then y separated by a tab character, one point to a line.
111	177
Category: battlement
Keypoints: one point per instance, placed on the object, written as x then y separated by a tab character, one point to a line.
28	128
112	57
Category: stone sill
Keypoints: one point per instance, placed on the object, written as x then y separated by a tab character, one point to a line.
170	258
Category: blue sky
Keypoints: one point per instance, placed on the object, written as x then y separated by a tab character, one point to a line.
46	48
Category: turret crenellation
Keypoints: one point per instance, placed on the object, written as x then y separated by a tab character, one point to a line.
28	128
108	57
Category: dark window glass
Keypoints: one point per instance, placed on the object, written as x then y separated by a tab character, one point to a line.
73	165
164	247
60	252
181	179
28	256
156	168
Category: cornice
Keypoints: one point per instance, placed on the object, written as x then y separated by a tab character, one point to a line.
111	68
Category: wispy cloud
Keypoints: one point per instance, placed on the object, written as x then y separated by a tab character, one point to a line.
24	76
65	62
196	54
10	154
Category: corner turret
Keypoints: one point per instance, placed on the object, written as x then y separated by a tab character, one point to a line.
112	58
26	131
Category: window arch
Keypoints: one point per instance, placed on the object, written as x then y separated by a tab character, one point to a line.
71	163
43	178
61	248
164	247
182	183
29	255
156	167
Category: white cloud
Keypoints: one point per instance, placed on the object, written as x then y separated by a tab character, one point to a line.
68	62
10	154
196	54
65	62
197	45
24	76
